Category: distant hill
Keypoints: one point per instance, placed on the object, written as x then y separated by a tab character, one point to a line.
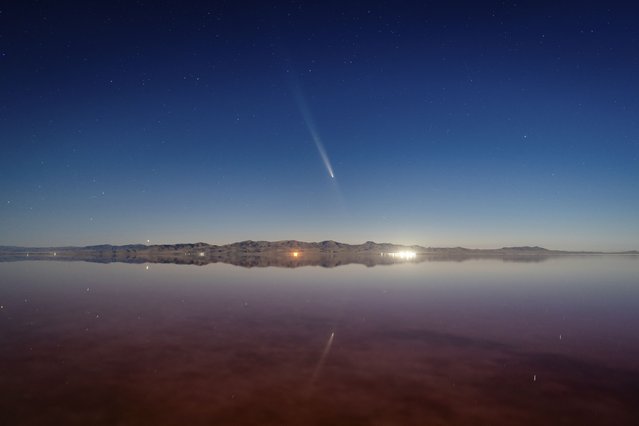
526	248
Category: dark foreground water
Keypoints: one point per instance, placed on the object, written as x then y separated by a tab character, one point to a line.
461	343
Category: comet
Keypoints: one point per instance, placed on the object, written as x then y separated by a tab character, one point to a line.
312	129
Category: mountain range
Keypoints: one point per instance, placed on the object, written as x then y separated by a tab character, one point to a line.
287	253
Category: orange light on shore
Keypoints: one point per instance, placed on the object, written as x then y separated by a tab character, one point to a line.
296	254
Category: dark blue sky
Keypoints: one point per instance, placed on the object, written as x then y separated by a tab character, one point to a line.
480	124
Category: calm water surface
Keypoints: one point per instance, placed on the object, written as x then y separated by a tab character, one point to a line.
438	343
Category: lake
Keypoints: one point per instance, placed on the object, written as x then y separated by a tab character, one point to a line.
479	341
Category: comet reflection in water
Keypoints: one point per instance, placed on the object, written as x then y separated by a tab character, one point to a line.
320	364
310	125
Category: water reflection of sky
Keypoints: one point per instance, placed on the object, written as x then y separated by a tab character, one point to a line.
566	323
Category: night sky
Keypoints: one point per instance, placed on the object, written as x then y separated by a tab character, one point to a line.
483	124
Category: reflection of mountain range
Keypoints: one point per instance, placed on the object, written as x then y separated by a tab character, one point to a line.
289	253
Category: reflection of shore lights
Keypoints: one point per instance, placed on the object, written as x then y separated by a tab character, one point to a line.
296	254
404	255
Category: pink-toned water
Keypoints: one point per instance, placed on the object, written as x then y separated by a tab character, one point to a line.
459	343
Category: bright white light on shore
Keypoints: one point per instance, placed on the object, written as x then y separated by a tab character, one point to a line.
201	254
295	254
404	255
